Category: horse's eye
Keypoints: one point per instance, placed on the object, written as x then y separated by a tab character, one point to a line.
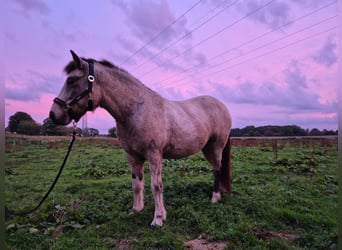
71	80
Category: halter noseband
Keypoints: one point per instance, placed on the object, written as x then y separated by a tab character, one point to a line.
67	106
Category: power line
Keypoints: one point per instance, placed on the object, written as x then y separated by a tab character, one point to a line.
209	12
217	33
272	30
187	34
160	32
261	36
277	49
279	39
259	56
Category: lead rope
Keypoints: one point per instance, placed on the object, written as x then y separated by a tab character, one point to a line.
9	213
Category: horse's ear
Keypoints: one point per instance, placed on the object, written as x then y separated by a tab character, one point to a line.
77	60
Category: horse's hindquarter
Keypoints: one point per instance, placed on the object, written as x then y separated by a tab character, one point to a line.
192	123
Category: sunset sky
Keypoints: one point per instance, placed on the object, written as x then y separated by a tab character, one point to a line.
272	62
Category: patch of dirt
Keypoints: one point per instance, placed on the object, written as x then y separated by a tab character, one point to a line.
267	235
119	244
203	243
57	231
124	244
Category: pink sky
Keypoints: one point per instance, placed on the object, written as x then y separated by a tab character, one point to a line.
270	62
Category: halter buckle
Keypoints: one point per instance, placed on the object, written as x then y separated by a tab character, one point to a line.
66	107
91	78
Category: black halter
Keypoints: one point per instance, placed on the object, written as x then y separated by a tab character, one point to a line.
68	106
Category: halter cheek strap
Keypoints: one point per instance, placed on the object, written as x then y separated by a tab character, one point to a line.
68	106
91	79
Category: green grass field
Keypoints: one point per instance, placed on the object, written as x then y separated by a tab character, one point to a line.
284	197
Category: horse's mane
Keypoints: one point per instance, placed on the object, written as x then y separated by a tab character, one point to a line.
72	65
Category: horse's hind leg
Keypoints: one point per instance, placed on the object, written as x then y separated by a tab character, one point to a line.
137	169
214	155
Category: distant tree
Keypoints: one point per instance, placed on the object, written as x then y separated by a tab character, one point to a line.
48	127
329	132
16	119
235	132
287	130
28	127
298	131
90	132
315	132
112	132
64	131
248	131
270	130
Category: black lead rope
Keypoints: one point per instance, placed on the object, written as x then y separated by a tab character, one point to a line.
10	214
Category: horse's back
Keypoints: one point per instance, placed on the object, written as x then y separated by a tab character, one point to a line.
210	111
193	122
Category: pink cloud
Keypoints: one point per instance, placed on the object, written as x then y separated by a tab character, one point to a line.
39	110
327	55
147	18
33	5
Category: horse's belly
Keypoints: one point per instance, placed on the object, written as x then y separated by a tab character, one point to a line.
176	151
177	154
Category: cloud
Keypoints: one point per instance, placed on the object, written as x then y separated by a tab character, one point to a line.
147	18
61	33
327	54
10	36
273	15
155	39
197	60
160	61
294	78
293	94
307	3
33	88
21	94
34	6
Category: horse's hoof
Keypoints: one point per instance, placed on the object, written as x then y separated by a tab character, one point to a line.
138	210
157	223
216	197
133	212
158	220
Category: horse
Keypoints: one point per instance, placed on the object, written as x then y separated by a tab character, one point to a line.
149	127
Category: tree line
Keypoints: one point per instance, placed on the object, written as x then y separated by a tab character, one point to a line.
289	130
22	123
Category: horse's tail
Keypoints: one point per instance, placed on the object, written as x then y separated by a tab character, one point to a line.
225	179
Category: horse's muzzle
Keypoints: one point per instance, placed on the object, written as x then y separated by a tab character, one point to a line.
63	120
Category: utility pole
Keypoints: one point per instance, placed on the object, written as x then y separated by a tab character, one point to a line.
84	123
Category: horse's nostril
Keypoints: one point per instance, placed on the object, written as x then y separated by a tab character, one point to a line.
52	116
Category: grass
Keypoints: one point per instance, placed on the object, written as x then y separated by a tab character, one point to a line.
282	200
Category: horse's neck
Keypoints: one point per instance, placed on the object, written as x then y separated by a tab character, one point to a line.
121	94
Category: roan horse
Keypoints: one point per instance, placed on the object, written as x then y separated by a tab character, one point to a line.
149	127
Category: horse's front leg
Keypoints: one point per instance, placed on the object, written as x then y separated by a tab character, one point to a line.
157	190
137	169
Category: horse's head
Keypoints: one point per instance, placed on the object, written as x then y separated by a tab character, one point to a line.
76	96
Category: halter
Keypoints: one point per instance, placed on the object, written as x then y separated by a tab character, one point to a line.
68	106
